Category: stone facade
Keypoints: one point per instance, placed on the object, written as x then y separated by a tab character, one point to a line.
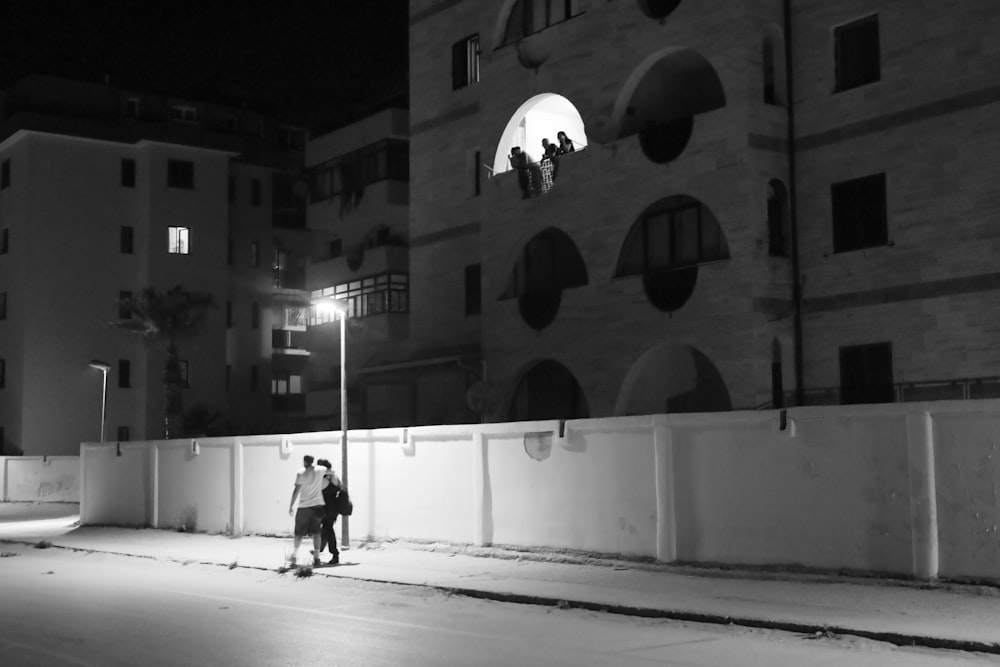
928	122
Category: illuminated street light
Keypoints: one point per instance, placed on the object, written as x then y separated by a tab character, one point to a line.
104	368
339	309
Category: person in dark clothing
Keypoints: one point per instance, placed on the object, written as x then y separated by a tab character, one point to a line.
565	144
328	538
519	162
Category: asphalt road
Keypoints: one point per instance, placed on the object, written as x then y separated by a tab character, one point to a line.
60	607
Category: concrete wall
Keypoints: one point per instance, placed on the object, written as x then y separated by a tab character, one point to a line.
905	489
49	479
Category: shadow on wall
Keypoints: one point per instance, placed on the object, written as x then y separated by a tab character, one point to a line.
674	379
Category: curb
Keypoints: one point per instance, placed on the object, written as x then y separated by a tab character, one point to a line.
805	629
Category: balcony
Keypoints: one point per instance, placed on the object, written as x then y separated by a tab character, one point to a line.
288	343
369	261
288	402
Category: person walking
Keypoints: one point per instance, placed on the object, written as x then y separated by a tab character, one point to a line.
328	537
309	485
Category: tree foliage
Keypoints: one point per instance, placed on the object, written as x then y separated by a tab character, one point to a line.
166	318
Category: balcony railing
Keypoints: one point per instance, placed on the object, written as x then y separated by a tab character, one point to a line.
961	389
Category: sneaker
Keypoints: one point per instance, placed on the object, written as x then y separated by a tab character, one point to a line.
335	560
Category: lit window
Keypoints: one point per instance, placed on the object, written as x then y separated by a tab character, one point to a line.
465	62
388	292
179	240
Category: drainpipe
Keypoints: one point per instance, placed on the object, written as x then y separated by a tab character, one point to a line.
793	205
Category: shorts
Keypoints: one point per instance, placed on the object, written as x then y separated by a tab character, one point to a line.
308	520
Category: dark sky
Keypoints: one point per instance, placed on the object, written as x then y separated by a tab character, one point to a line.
322	60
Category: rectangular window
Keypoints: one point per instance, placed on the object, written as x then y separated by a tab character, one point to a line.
124	434
4	241
229	375
185	372
183	112
465	62
255	316
132	108
857	59
473	289
3	373
336	248
232	190
124	373
859	213
179	240
180	174
124	311
229	252
3	305
477	173
128	173
126	239
255	192
254	254
4	174
866	374
229	314
253	377
232	124
387	292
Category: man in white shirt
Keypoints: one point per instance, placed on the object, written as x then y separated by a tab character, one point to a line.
309	484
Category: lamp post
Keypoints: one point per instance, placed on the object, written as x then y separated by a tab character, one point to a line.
340	310
104	368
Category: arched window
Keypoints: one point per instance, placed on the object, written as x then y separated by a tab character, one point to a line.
666	245
530	16
658	9
543	116
549	263
773	66
548	391
661	97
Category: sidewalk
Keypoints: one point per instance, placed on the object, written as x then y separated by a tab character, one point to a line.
958	617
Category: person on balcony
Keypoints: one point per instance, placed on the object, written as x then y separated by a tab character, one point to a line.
519	163
565	144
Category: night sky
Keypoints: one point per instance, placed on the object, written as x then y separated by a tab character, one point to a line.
321	62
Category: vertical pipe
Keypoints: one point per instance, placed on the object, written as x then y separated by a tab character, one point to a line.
793	207
345	538
104	401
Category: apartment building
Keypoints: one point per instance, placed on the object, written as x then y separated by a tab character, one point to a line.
358	219
768	203
106	192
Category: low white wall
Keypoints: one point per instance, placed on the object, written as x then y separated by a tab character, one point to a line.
903	489
51	479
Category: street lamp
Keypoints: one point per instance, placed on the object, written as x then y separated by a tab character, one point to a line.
104	368
339	309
